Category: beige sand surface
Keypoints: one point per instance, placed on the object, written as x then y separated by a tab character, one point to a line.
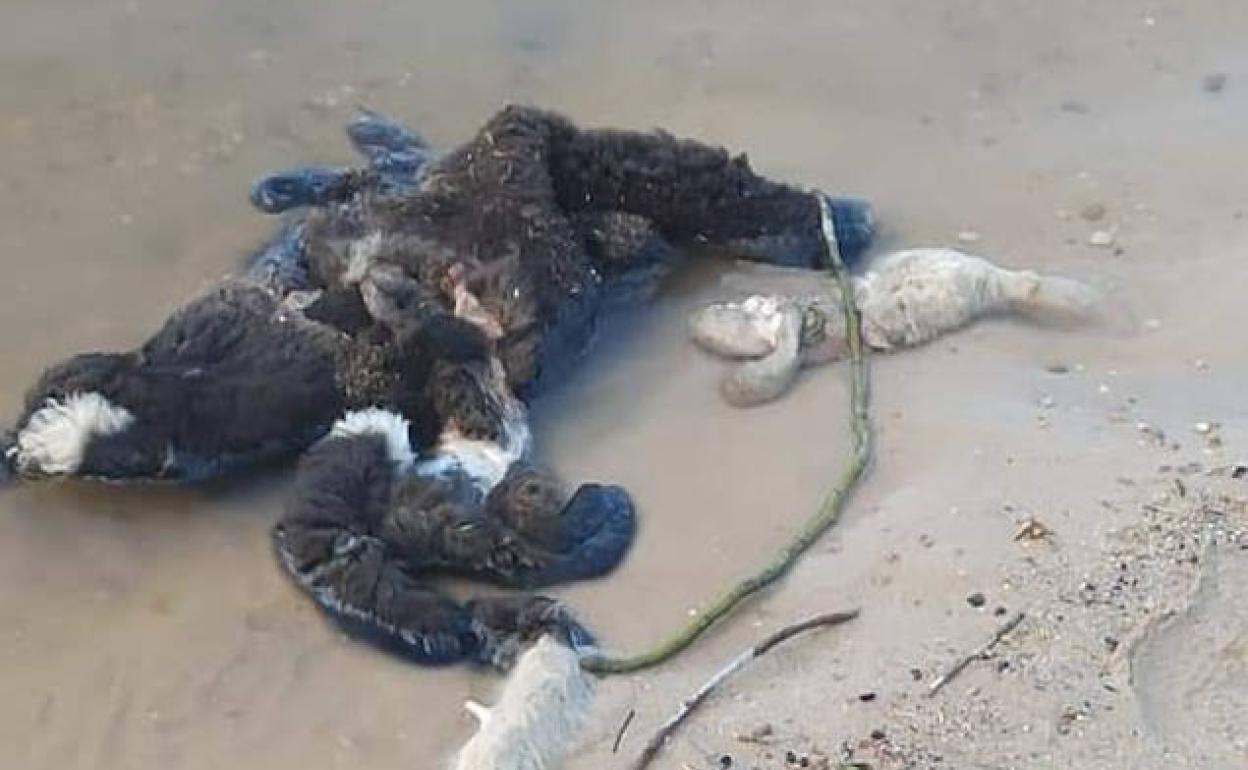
151	629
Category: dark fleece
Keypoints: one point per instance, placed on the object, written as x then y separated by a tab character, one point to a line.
527	205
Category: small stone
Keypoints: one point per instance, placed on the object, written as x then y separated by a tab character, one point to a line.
1047	402
976	600
1214	83
759	734
725	761
969	236
878	735
916	674
1000	611
1093	212
1203	428
1101	238
866	697
1057	369
790	758
1102	389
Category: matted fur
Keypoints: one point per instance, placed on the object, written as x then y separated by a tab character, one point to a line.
54	439
542	707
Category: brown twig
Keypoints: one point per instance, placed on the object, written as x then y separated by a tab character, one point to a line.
619	735
981	652
665	731
829	511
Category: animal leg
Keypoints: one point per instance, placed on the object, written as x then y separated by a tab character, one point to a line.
691	191
327	541
582	537
281	265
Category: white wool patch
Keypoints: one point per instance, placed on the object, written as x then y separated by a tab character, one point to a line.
542	707
360	255
55	437
379	422
485	462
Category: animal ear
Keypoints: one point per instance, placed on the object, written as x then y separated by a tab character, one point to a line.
478	711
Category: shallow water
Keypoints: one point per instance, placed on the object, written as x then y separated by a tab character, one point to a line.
145	628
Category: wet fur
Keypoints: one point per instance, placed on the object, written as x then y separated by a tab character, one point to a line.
349	310
905	299
541	709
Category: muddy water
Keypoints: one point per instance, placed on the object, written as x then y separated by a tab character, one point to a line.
151	629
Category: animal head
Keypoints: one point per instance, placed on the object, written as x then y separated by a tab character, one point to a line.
397	300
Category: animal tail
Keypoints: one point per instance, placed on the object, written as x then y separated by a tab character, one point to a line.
1058	301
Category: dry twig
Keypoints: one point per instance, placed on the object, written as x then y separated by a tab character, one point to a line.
619	735
981	652
665	731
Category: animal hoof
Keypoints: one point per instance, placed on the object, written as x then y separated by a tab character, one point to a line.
596	528
508	622
298	187
854	222
388	145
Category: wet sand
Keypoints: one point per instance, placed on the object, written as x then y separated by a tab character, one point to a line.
151	628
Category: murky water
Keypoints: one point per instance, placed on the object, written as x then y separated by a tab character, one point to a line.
151	628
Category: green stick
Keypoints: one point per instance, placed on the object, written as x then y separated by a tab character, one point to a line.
829	511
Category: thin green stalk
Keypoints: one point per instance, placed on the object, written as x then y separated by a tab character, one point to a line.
829	511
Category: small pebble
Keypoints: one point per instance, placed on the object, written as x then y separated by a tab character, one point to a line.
969	236
759	734
1101	238
1203	428
878	735
1057	369
976	600
866	697
790	758
1093	212
725	761
1214	83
